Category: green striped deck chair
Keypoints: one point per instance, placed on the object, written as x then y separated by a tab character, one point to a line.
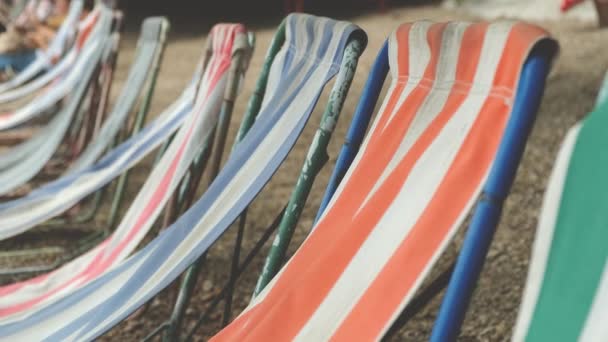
566	294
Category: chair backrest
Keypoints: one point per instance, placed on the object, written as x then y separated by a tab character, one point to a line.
417	174
146	207
296	81
566	293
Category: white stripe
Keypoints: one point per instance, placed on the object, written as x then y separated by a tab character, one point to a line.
433	103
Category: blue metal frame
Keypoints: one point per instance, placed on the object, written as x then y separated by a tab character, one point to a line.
358	127
487	213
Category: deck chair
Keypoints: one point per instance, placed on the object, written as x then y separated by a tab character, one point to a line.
66	81
21	163
453	114
38	86
164	178
45	143
146	66
61	194
294	85
45	60
566	292
63	65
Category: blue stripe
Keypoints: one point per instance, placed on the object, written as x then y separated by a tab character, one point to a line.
53	188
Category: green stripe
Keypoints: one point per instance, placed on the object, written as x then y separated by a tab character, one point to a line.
580	243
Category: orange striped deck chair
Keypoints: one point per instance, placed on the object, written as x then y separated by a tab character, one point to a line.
455	120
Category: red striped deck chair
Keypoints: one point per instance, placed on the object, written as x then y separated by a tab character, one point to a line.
566	294
420	170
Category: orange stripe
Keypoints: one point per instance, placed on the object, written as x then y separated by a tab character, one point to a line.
384	145
464	177
310	263
521	40
403	65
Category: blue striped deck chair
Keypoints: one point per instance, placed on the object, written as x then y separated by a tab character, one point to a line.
311	55
453	125
313	163
21	299
566	293
49	64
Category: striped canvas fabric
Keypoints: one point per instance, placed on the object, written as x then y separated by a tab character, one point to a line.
408	190
310	57
148	204
74	62
566	294
17	152
55	197
56	48
64	65
22	162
